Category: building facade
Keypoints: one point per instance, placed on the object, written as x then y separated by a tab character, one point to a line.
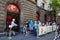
45	11
27	12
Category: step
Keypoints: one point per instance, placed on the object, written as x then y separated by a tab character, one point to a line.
2	34
2	23
2	28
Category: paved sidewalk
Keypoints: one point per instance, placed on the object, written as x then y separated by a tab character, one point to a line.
49	36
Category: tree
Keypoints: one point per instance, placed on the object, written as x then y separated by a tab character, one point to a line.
55	5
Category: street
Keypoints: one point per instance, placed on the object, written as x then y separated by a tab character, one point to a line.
49	36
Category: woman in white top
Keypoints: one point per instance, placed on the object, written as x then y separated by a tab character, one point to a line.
39	23
13	24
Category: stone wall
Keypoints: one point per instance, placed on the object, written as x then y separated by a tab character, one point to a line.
28	12
2	15
42	13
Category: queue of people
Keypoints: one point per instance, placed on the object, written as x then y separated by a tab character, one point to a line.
31	27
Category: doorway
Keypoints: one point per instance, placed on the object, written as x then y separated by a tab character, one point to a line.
37	15
10	16
13	13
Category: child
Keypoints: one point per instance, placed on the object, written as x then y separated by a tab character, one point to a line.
24	29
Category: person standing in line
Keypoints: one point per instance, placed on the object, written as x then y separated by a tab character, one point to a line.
35	28
24	30
27	28
31	26
39	24
47	24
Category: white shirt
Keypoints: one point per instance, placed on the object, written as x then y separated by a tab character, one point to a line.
39	24
13	24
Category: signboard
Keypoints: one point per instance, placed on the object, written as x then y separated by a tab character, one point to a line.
12	8
42	30
54	27
46	29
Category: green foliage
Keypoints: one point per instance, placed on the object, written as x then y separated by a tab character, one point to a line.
55	5
58	1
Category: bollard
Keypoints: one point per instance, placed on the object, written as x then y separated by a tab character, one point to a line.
10	31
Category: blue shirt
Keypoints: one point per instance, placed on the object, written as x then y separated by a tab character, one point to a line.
35	26
31	24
